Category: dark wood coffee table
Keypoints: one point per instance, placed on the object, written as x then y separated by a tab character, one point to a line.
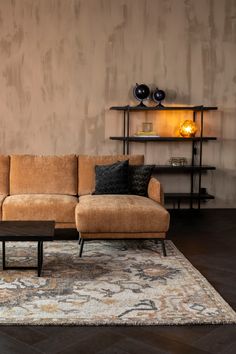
38	231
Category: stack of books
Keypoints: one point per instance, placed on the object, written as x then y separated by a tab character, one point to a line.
146	134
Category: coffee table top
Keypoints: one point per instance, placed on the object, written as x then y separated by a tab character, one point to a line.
27	230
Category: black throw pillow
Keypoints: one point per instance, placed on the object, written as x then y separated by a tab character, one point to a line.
112	179
139	177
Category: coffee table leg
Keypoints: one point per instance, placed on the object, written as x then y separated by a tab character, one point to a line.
40	257
3	256
41	254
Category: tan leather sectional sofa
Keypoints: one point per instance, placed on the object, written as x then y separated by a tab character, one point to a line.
60	188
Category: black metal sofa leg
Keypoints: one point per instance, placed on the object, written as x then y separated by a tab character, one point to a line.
163	247
81	242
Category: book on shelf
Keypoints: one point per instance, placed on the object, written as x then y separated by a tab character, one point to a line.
147	134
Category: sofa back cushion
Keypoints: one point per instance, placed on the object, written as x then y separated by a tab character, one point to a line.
4	174
43	174
87	165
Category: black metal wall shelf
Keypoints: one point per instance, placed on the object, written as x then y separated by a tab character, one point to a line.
188	196
182	169
179	197
195	167
162	108
142	139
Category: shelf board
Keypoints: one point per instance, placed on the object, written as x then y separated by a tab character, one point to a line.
165	108
161	138
188	196
186	168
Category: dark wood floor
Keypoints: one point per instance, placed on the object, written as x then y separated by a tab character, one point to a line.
208	239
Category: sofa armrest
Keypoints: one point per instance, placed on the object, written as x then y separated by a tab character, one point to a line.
155	191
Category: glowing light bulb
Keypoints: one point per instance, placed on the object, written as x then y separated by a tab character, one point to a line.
188	129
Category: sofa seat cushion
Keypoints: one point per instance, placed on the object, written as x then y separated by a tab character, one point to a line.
60	208
120	213
2	197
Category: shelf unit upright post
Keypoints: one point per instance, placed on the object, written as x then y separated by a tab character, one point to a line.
200	162
194	151
194	168
128	127
124	132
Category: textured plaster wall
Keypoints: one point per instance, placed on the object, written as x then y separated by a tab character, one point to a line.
63	63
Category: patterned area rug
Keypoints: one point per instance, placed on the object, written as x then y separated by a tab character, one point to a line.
115	282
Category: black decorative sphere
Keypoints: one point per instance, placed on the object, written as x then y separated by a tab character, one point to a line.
141	92
158	95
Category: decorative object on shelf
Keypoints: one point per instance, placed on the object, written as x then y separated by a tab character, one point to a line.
147	127
147	130
141	92
147	134
188	129
203	190
178	161
158	96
